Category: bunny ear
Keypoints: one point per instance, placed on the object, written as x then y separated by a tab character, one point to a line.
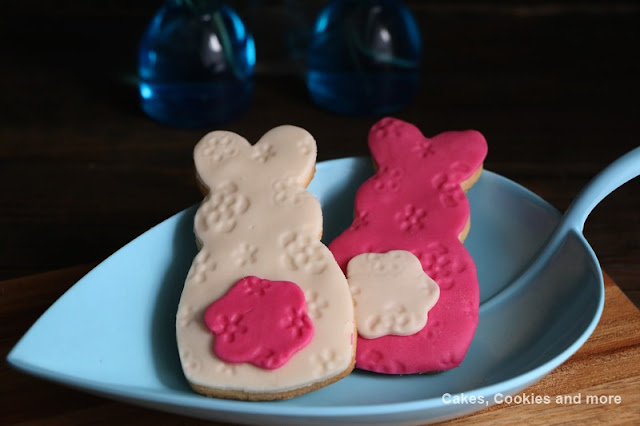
394	142
391	140
462	152
287	151
216	153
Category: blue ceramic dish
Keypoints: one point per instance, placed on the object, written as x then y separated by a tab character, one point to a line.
113	332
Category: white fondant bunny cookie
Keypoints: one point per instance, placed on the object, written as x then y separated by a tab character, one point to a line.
266	311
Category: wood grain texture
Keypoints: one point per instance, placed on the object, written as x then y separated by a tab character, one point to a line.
605	365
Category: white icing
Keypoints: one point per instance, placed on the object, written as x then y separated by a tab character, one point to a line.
260	220
392	293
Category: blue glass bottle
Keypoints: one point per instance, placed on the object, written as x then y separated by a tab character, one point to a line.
195	64
364	57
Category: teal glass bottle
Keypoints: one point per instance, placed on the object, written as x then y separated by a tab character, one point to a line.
195	64
364	57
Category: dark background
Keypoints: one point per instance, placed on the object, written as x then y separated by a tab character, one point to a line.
554	87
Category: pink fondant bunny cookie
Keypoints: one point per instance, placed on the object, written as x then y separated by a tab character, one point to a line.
413	214
266	312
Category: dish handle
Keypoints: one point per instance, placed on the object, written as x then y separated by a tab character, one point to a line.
604	183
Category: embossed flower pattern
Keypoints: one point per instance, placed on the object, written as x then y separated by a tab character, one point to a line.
185	315
362	219
202	264
315	305
223	207
263	152
375	360
325	361
423	147
191	363
272	359
448	185
394	317
384	263
227	327
245	254
220	147
297	322
259	321
226	369
288	192
387	179
388	127
440	265
305	146
255	286
303	252
411	218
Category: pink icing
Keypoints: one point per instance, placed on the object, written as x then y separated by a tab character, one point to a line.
259	321
414	202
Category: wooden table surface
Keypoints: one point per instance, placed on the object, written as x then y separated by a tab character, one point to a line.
554	87
605	367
